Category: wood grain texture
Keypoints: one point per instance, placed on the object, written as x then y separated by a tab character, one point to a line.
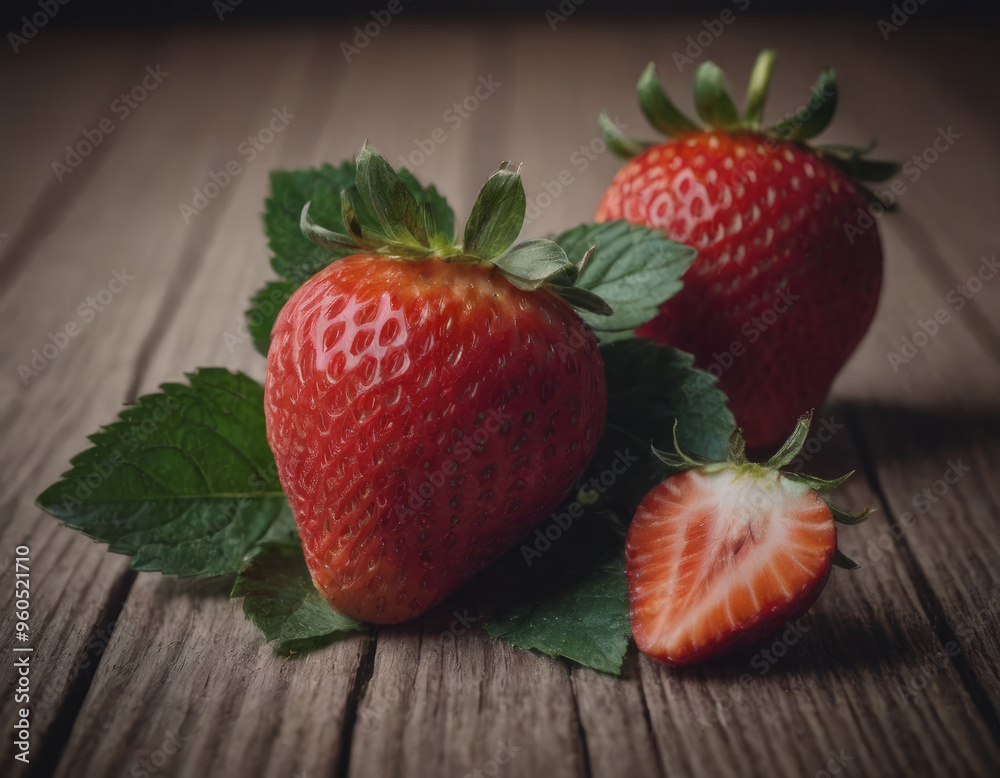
895	671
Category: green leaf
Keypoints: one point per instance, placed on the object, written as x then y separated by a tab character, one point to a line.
336	241
388	197
263	312
757	89
844	516
620	144
280	599
635	269
813	117
183	482
527	265
852	160
840	559
659	109
793	445
650	388
711	99
585	619
439	219
296	258
497	215
563	590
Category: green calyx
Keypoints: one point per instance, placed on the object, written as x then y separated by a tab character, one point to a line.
382	216
681	460
717	111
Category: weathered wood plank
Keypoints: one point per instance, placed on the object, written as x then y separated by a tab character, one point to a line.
186	680
182	667
78	585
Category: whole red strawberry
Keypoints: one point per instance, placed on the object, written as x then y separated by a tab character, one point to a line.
427	404
786	283
725	554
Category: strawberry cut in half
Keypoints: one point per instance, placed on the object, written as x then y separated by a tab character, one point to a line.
786	283
724	554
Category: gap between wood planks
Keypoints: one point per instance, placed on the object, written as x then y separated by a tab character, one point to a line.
59	732
56	201
943	630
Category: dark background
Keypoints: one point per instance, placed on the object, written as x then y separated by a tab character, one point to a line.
134	13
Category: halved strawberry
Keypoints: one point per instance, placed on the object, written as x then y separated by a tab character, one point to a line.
726	553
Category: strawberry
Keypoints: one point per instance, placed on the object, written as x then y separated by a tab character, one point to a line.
428	403
723	554
786	283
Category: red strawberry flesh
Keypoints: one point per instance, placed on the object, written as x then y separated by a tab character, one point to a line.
721	557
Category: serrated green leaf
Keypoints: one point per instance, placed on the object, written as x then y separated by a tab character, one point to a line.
263	312
296	258
586	621
635	269
388	197
650	387
184	482
711	98
280	599
659	109
527	265
563	590
497	215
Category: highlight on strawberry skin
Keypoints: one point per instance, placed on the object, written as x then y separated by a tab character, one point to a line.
721	555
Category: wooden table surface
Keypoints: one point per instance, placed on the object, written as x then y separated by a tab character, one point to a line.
897	669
